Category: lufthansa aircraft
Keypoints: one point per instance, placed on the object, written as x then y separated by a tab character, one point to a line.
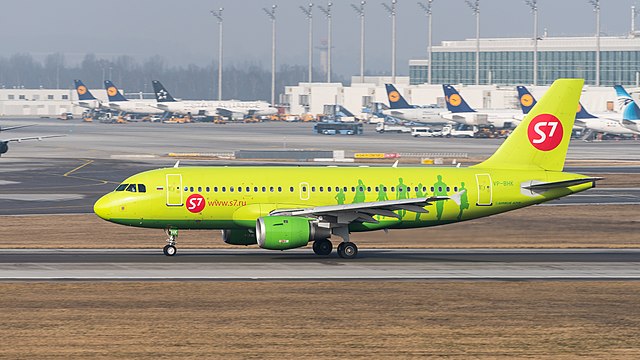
460	111
399	108
283	208
120	103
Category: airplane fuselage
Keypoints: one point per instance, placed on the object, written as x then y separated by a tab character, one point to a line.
424	115
234	197
136	107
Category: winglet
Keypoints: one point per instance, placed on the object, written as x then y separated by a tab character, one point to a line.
177	164
395	164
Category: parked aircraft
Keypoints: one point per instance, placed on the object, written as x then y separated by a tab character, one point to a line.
4	144
583	118
282	208
123	105
227	108
399	108
629	108
460	111
86	98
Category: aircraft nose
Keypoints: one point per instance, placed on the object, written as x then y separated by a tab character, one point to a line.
104	207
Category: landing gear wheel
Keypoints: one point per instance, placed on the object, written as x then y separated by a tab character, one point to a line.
322	247
347	250
169	250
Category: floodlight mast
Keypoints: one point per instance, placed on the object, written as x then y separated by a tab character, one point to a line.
218	15
392	11
327	13
596	9
272	15
533	4
427	10
475	7
308	11
360	11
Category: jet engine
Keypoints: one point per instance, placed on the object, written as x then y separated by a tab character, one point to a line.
4	147
288	232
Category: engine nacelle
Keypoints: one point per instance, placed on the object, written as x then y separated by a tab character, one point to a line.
239	237
287	232
4	147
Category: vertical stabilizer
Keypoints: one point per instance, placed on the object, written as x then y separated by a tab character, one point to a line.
455	102
396	100
112	92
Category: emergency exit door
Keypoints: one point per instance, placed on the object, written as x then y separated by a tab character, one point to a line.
485	192
174	190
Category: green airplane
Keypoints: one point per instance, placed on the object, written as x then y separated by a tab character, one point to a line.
282	208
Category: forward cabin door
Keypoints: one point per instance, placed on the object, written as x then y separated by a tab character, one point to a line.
174	190
485	192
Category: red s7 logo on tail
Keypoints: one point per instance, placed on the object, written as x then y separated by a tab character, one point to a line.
545	132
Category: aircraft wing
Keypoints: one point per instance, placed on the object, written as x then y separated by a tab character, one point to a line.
31	138
6	128
364	212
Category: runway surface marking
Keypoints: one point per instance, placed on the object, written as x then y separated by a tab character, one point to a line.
252	264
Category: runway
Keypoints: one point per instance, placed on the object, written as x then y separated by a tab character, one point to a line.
253	264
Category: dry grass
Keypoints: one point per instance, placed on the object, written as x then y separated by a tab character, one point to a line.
538	226
326	320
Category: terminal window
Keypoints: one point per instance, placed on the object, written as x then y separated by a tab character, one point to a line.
22	97
49	97
65	97
12	97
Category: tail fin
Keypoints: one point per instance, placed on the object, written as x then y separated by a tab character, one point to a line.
396	101
526	99
627	105
582	113
162	95
541	140
112	92
455	102
83	92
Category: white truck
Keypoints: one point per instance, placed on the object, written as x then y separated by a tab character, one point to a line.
382	127
460	130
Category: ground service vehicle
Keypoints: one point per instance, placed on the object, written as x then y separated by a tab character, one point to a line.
382	127
337	128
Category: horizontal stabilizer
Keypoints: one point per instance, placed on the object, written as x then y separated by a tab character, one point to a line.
560	184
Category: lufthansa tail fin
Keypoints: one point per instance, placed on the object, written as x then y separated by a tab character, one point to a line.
628	106
526	99
582	113
83	92
396	100
162	95
112	92
455	102
541	140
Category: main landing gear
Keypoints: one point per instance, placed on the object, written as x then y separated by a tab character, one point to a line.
346	250
170	249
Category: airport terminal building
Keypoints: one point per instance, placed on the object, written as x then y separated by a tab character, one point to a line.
509	61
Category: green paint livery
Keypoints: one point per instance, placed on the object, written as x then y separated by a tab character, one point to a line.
525	170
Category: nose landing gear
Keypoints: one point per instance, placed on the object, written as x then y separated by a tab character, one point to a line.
170	249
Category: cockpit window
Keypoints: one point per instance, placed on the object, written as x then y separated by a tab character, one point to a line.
121	187
142	188
131	188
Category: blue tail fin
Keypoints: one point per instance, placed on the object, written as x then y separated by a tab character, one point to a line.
112	92
628	106
396	101
83	92
526	99
582	113
162	95
455	102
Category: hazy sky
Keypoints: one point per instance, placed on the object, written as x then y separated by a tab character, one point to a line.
184	31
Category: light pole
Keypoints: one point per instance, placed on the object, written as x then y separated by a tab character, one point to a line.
596	9
360	11
308	11
272	15
218	15
427	9
475	7
533	4
392	11
327	13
